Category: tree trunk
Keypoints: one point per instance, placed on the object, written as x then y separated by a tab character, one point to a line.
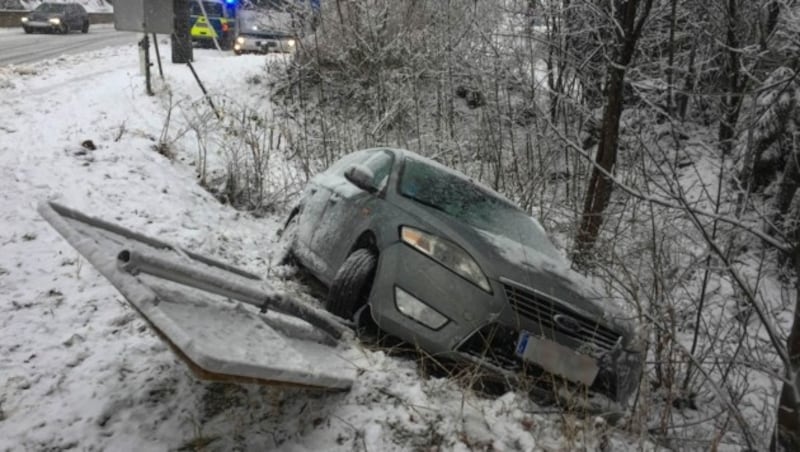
671	57
598	193
682	97
787	426
732	101
786	191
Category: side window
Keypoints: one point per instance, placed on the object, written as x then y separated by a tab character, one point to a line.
381	165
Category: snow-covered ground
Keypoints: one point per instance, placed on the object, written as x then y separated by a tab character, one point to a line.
80	370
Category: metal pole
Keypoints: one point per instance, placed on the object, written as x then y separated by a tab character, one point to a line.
203	88
158	57
144	44
244	290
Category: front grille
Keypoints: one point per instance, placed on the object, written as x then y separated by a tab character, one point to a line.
542	312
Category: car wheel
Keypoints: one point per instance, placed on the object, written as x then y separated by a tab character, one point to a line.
352	283
85	28
65	28
27	30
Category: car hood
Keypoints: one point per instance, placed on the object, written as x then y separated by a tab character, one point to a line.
516	263
511	262
38	16
265	34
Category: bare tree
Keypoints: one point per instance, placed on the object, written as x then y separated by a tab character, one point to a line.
629	16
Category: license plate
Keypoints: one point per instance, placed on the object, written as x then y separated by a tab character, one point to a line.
556	358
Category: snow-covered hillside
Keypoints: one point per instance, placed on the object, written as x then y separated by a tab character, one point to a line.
80	370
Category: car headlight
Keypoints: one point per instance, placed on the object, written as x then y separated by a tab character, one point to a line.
240	40
446	253
24	20
55	21
290	43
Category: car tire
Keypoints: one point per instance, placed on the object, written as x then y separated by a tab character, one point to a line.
352	283
27	30
85	27
65	28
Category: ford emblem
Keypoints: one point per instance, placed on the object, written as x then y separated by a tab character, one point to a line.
567	324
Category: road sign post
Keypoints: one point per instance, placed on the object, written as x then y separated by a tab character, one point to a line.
180	38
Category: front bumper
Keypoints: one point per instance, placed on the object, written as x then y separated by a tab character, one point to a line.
40	25
245	44
485	329
205	37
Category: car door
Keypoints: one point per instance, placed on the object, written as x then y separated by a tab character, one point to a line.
71	17
314	201
67	20
77	17
82	16
347	209
313	205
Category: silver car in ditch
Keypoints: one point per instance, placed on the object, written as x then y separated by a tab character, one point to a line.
451	266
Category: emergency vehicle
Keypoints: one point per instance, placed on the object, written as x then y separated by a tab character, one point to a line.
211	19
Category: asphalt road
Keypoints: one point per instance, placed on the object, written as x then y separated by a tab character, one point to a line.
16	47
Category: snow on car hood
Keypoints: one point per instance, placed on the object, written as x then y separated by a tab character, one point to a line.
553	276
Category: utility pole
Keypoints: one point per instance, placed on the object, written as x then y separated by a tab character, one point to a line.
180	39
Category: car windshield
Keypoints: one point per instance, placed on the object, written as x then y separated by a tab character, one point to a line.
51	8
472	204
212	9
265	20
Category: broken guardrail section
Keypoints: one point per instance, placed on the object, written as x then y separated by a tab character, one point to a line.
194	304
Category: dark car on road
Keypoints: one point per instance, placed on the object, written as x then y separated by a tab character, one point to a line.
454	268
57	17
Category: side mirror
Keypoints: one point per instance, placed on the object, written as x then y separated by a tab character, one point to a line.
362	177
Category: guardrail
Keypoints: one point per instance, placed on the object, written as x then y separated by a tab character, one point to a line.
12	18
